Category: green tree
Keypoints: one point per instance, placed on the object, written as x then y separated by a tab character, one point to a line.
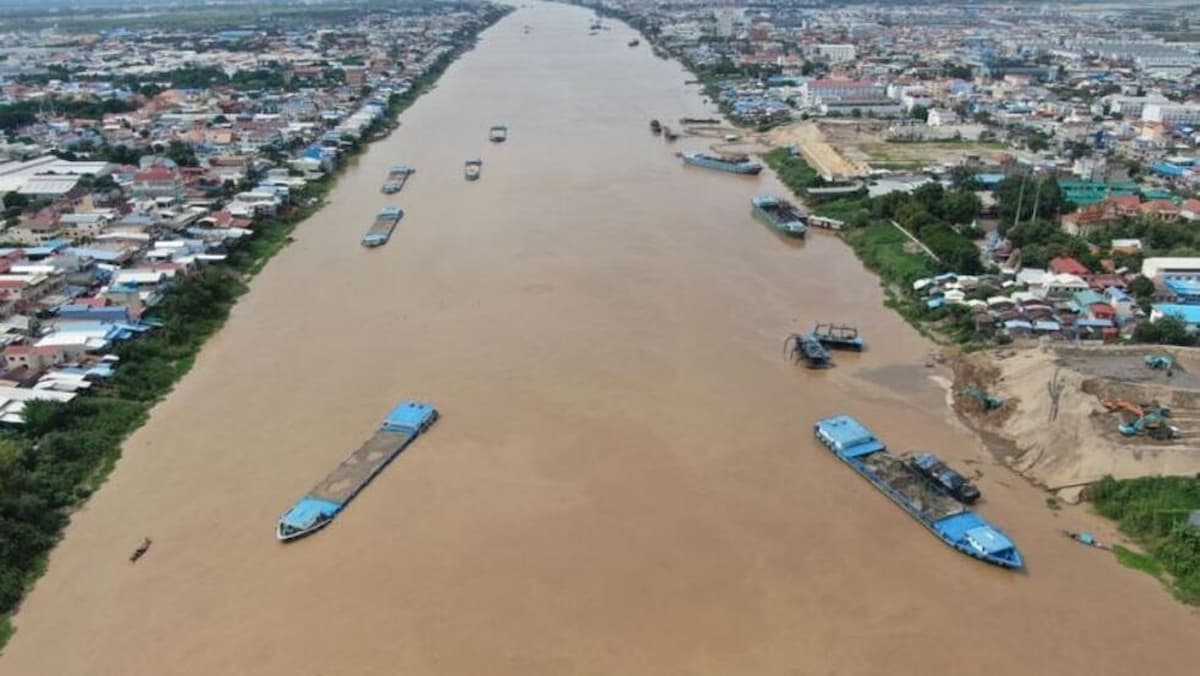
1168	330
1141	288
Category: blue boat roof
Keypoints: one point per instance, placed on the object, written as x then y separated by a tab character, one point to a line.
851	438
307	510
968	524
409	415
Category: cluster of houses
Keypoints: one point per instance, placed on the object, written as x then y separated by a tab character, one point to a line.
1067	300
103	217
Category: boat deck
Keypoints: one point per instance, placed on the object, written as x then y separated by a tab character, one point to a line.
920	494
348	478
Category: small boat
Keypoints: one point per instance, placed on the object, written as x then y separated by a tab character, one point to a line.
839	337
141	550
472	168
669	133
634	42
655	127
391	187
498	133
780	215
1084	539
931	467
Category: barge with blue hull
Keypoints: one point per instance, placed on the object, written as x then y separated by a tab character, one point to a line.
381	230
327	499
780	215
739	164
958	527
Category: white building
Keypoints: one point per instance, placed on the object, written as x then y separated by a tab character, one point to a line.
940	117
835	53
727	18
1131	106
1181	114
815	92
1175	268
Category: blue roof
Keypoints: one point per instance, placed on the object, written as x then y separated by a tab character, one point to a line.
305	513
988	180
1166	169
959	526
849	437
1182	287
409	415
1094	323
97	254
1188	313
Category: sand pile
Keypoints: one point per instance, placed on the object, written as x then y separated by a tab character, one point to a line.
1052	427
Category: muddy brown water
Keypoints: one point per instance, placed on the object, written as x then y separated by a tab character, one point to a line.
623	480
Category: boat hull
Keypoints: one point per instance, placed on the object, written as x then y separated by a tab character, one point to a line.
743	168
793	230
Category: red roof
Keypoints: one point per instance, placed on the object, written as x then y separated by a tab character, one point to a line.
1125	201
155	174
1066	264
1192	206
1159	207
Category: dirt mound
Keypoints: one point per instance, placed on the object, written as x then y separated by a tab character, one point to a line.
1052	428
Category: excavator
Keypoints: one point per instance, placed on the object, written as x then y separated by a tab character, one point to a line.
1149	419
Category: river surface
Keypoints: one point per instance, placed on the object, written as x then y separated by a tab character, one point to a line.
624	479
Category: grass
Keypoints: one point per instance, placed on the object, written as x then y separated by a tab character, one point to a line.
1138	561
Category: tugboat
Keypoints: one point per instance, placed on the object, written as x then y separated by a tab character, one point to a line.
780	215
655	127
471	169
929	466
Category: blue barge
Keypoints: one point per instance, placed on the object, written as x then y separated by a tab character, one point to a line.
960	528
327	499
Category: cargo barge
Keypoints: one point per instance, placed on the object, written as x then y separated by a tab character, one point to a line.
327	499
739	164
931	506
397	177
381	230
780	215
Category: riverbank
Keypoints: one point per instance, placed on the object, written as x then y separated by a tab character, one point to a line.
65	452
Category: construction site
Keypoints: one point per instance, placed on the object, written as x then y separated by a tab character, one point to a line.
1065	417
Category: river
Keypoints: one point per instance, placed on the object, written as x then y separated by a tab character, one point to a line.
624	479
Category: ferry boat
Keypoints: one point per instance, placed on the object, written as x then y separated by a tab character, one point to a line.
471	169
498	133
932	468
780	215
739	164
327	499
381	230
960	528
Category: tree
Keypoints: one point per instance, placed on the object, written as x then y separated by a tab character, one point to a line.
1141	288
919	113
1168	330
961	207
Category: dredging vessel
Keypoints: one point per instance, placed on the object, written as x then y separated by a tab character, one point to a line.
854	444
736	164
839	337
780	215
806	347
327	499
381	230
471	169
